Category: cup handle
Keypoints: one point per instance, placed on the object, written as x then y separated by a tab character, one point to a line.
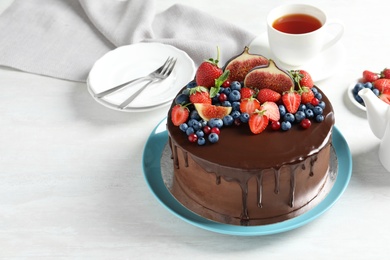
337	36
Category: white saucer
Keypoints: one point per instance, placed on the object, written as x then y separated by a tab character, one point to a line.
132	61
320	67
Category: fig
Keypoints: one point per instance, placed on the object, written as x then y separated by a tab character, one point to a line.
269	76
208	111
240	65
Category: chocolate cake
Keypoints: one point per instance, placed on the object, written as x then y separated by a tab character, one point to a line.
253	179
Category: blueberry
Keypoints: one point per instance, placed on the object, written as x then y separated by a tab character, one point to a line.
358	98
215	99
215	122
235	85
289	117
309	113
199	133
359	86
318	96
376	91
244	117
213	138
236	105
228	120
302	107
368	85
282	110
227	91
201	141
194	115
204	123
186	91
191	84
235	114
190	130
197	125
317	110
235	95
286	125
322	104
309	106
319	118
182	99
300	115
192	121
183	127
315	90
226	104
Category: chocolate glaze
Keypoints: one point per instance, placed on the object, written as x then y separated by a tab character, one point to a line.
240	155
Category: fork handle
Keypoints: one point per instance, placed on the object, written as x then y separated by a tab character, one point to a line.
111	90
135	94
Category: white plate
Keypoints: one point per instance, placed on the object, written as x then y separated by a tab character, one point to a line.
320	67
351	97
132	61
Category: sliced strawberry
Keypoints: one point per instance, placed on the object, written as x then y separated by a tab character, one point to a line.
249	105
369	76
383	85
306	95
258	121
385	97
200	95
179	114
271	110
267	94
291	100
246	93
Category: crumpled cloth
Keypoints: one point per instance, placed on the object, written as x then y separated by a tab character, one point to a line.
64	38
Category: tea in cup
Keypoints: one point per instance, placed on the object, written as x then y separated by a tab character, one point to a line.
299	32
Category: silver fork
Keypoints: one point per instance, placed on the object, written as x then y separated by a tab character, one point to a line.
161	74
152	75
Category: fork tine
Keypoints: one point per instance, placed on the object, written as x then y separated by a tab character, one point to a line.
171	67
163	67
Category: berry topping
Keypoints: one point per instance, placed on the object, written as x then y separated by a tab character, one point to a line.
258	121
179	114
200	95
271	110
291	100
249	105
267	94
208	72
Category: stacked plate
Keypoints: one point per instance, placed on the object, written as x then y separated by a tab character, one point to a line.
132	61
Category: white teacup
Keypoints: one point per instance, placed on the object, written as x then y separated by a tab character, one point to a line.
298	48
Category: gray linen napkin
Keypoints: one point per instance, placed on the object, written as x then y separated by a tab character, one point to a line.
63	38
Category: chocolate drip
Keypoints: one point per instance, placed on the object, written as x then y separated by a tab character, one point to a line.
185	154
218	180
277	180
259	178
292	184
313	159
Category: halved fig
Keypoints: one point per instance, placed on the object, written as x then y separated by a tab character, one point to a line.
269	76
240	65
208	111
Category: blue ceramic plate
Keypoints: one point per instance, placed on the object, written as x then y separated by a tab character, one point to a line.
152	169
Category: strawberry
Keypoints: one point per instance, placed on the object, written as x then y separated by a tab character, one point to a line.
249	105
267	94
200	95
385	73
306	95
302	78
179	114
291	100
271	110
382	85
208	72
385	97
369	76
246	93
258	121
